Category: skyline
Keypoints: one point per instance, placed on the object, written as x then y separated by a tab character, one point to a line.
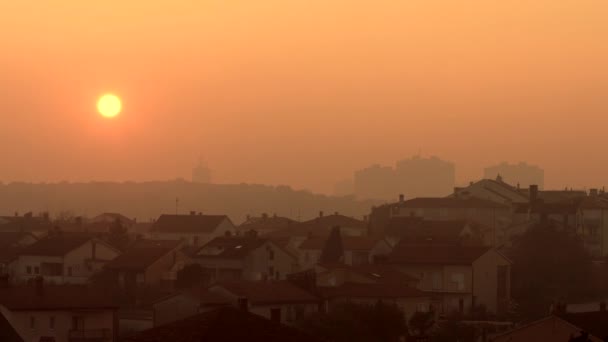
281	93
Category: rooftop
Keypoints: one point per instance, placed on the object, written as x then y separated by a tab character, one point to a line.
188	223
54	297
269	292
56	245
142	254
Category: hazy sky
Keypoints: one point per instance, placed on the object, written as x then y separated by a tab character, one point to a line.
302	92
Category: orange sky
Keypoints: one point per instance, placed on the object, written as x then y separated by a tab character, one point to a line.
302	92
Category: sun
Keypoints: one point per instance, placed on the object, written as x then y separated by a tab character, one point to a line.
109	105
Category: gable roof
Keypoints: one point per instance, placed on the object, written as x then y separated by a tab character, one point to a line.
267	292
337	220
223	324
351	243
435	254
56	245
54	297
187	223
266	222
451	202
231	247
142	254
551	328
7	332
371	290
418	229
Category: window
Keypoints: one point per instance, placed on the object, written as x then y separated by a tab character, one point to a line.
52	322
28	269
437	281
32	322
69	271
458	281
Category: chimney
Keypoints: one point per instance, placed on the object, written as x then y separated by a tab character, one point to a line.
603	306
533	193
321	213
401	198
593	192
39	281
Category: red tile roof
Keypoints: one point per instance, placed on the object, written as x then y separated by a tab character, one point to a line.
270	292
54	297
56	245
142	254
188	223
362	243
222	325
434	254
373	290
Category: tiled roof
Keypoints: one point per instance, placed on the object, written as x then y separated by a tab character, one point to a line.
372	290
231	247
58	245
54	297
433	254
188	223
451	202
268	292
550	328
363	243
7	332
142	254
415	228
595	322
222	325
320	226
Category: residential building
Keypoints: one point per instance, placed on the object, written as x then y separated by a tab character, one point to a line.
245	257
416	230
279	301
111	218
460	277
375	182
60	313
10	245
493	190
63	259
424	177
522	174
357	250
152	263
194	229
264	224
220	325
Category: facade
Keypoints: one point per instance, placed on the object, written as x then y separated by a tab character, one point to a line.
59	313
245	257
522	174
279	301
194	229
63	259
11	244
148	263
458	277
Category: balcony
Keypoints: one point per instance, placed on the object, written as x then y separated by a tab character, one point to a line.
90	335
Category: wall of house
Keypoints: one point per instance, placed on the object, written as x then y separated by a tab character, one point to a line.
266	258
485	277
94	322
197	238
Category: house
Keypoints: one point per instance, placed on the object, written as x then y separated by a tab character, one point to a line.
460	277
265	224
220	325
552	328
245	257
493	190
60	313
63	259
194	229
184	304
10	245
279	301
148	263
37	225
320	226
416	230
110	218
335	274
357	250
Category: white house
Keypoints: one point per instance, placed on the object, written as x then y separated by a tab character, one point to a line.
194	229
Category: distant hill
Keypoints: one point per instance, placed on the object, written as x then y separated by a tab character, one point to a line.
148	200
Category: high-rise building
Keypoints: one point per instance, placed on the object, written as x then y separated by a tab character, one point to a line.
522	174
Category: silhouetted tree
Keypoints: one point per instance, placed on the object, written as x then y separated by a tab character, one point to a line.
351	322
118	235
548	264
421	322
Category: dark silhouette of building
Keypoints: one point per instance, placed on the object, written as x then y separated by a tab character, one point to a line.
201	173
